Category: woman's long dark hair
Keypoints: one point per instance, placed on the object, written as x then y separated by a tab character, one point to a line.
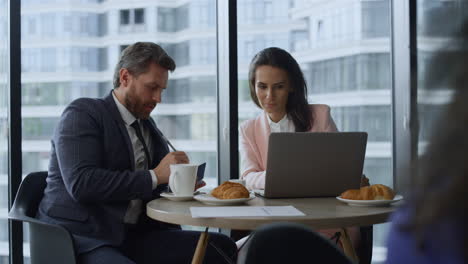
441	182
297	107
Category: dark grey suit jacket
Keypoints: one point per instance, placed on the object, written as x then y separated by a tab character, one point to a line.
92	176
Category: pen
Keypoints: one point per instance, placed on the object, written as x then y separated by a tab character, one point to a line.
169	143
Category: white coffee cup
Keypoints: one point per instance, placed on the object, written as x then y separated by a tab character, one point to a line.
238	181
182	179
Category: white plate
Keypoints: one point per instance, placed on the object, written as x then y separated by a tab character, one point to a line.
209	199
176	198
371	202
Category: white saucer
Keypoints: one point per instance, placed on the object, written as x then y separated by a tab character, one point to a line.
176	198
209	199
371	202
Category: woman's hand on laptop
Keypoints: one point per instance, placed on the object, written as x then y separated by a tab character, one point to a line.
364	181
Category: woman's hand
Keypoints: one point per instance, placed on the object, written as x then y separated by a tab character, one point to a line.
364	181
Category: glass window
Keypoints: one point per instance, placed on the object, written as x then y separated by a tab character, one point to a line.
124	17
431	13
182	17
84	20
344	67
48	24
56	71
259	12
122	47
202	14
4	59
375	19
166	19
139	16
320	29
38	128
67	23
437	23
31	25
102	23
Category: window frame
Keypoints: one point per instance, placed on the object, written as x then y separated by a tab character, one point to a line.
15	229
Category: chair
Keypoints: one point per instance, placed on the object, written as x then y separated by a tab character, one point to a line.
289	243
364	251
49	243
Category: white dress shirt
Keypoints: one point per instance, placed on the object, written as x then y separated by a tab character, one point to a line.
284	125
135	207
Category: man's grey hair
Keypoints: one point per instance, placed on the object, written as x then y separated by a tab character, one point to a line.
136	59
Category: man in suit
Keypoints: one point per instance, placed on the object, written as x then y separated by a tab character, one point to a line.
108	159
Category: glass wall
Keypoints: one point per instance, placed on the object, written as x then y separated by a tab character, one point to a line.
69	50
70	47
437	23
4	70
343	48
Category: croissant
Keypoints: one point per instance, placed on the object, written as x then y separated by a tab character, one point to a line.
218	191
373	192
230	190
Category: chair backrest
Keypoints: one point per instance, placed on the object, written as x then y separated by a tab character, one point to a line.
48	243
29	194
289	243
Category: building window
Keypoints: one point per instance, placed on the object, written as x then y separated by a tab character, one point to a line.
122	47
32	26
139	16
67	23
319	29
166	19
132	20
84	20
124	17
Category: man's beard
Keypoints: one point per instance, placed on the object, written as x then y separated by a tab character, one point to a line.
132	106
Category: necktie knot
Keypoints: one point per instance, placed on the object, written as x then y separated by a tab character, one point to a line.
136	125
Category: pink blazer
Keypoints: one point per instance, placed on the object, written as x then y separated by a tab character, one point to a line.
254	135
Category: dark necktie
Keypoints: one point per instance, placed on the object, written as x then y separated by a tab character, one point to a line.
136	126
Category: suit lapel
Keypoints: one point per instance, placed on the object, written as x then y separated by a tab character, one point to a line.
110	103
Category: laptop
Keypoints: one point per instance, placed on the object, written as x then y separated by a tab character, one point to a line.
306	164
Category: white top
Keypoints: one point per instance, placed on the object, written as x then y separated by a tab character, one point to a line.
284	125
135	206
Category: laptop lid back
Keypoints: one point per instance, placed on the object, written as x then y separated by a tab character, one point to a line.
314	164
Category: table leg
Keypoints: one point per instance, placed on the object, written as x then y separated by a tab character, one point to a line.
201	248
348	246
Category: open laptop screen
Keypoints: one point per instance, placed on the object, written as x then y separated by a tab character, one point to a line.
314	164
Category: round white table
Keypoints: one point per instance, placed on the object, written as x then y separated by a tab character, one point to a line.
320	213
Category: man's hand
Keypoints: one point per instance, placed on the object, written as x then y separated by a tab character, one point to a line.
199	184
163	170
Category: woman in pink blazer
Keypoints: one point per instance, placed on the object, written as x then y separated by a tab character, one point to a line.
277	86
254	135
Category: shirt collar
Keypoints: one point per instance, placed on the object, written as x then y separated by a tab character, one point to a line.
127	117
283	124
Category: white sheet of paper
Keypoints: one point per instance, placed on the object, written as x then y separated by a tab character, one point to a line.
244	211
